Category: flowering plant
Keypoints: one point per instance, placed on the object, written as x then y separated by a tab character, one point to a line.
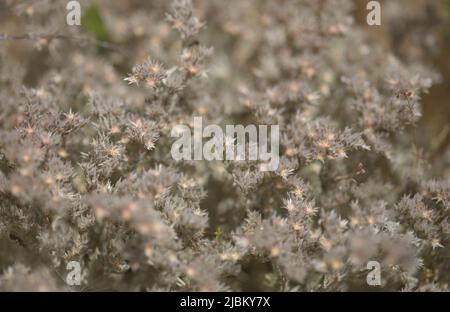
86	172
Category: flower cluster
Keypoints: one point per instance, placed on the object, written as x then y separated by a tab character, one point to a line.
86	172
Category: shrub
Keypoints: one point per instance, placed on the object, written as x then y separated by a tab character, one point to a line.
86	173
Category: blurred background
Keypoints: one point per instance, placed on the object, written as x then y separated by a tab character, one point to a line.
419	31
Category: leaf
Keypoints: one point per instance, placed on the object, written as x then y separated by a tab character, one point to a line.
92	21
447	7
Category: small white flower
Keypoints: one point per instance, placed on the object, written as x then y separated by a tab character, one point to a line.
132	79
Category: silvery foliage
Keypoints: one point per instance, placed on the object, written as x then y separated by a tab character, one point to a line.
86	173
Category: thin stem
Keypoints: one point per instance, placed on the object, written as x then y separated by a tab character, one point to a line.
99	43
